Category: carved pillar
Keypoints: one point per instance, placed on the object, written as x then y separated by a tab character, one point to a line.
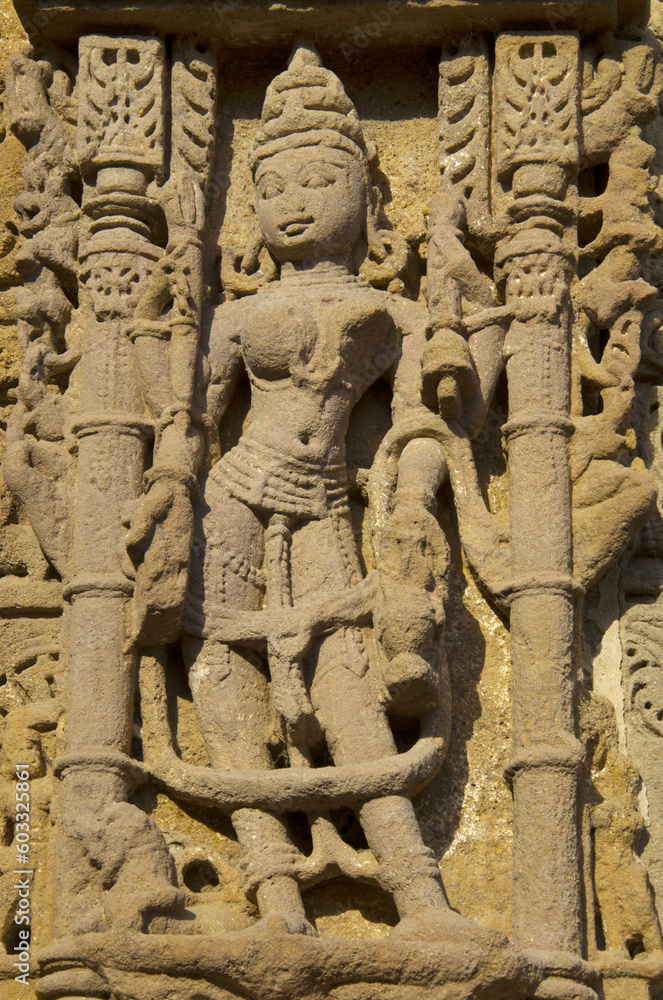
121	152
536	103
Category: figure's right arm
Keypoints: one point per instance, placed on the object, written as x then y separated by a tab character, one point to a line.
161	531
184	439
220	365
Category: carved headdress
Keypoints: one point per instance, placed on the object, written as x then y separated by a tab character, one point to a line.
307	106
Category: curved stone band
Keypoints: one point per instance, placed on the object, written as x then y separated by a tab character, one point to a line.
300	788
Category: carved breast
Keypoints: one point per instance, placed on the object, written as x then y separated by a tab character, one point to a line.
279	339
332	336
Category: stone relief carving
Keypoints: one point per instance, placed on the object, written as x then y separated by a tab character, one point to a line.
245	483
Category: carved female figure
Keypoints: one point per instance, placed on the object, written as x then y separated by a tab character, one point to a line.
272	526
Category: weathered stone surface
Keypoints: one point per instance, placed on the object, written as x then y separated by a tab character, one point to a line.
330	555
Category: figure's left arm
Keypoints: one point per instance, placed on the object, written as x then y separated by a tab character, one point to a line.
438	447
411	551
422	468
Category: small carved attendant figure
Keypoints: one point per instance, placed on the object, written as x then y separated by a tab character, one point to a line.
272	526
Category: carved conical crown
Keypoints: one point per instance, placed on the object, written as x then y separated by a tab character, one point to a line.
305	106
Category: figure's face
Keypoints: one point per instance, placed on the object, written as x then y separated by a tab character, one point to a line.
311	202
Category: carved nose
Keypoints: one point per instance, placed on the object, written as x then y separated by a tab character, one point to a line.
295	198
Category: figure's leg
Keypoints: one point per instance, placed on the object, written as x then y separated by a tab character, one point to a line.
230	689
346	699
344	693
356	729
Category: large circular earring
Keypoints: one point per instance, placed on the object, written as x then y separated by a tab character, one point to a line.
387	253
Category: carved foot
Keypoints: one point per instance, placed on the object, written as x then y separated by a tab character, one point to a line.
277	924
446	925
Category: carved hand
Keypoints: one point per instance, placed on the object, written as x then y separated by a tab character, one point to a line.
183	203
454	283
412	563
413	548
159	546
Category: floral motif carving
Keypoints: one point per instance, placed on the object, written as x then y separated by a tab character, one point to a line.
121	115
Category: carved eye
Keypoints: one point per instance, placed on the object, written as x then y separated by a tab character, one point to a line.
317	181
270	191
